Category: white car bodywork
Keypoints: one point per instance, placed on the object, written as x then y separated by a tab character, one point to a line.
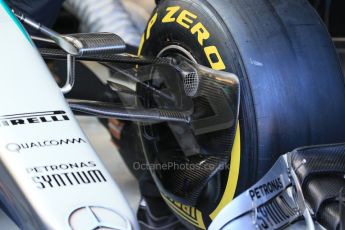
49	173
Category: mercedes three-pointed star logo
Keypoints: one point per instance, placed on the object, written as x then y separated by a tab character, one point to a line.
95	218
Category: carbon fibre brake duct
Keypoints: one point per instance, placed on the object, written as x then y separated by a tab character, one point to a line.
179	81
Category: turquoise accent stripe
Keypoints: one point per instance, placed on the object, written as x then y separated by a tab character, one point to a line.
15	20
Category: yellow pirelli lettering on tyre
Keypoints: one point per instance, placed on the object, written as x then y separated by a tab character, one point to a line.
214	58
171	11
147	34
188	213
201	32
150	25
188	20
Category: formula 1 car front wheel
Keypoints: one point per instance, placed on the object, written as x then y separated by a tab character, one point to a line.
292	87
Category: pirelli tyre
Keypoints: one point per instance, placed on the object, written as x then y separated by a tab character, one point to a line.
292	87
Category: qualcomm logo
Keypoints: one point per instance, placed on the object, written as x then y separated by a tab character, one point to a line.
94	217
18	147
